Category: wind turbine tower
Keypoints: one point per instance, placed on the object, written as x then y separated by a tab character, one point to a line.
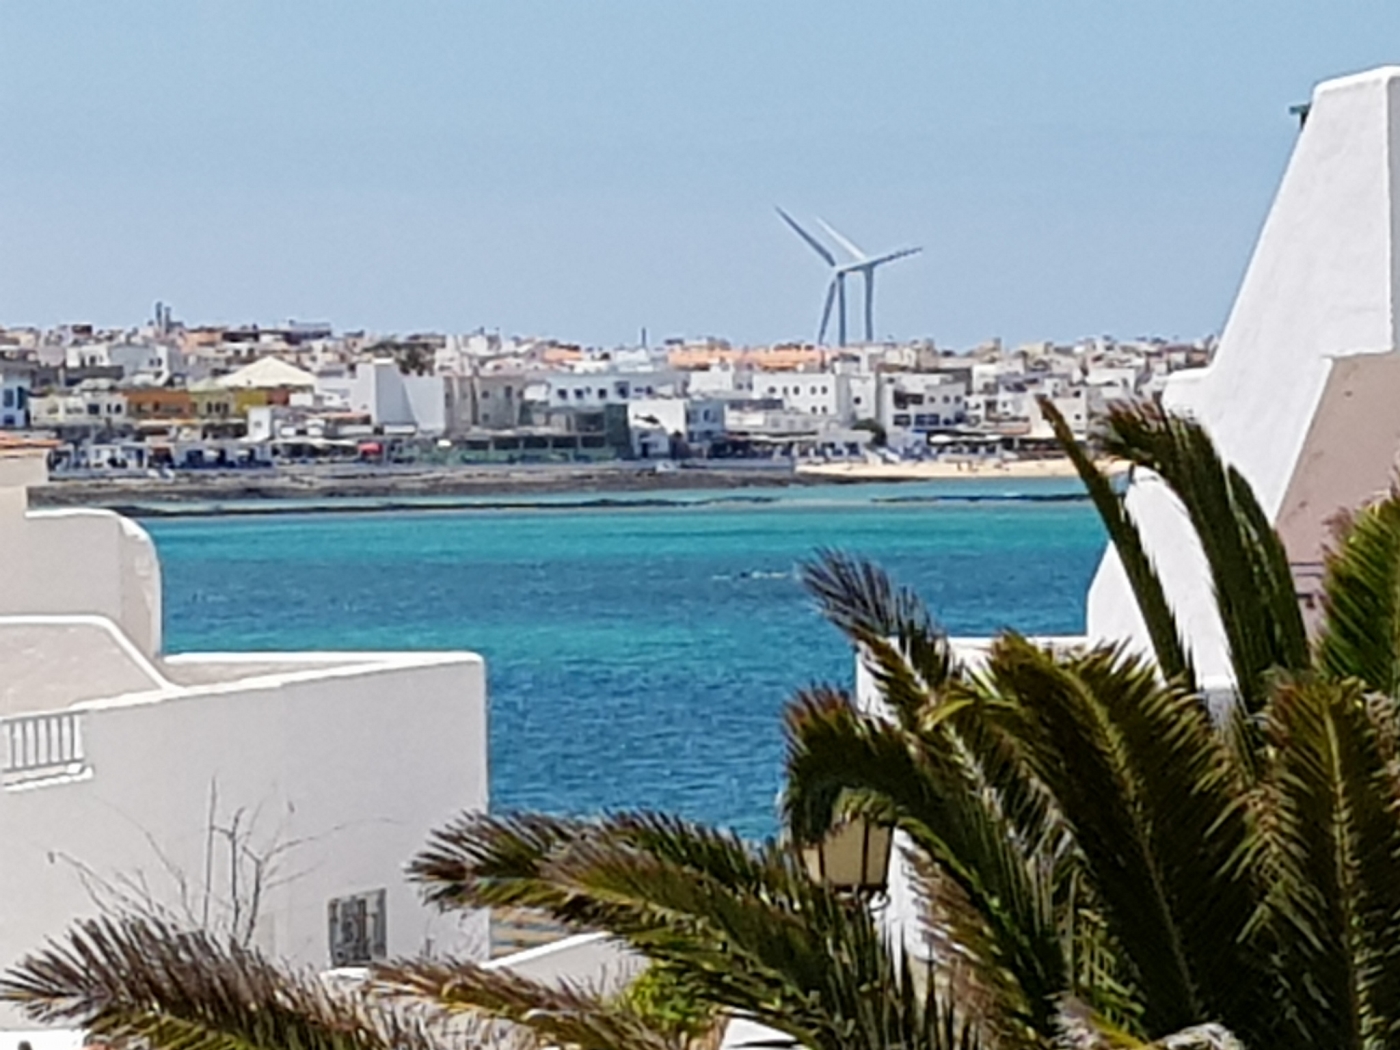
859	262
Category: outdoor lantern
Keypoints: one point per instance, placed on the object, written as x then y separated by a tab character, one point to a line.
854	857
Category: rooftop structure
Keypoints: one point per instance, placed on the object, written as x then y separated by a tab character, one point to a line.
272	796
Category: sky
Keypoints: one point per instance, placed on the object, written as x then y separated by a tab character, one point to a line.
585	169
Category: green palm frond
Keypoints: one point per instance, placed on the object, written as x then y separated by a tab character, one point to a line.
832	749
754	935
1151	795
1360	636
1127	541
1254	590
170	989
1333	861
557	1015
898	639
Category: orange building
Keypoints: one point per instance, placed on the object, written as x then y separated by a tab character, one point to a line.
158	403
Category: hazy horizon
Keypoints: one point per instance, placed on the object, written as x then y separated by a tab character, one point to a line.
584	171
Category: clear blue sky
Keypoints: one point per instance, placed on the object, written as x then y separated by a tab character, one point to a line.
585	168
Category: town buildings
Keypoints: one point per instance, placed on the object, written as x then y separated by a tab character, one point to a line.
461	398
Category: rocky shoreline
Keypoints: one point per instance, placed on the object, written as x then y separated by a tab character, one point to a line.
326	487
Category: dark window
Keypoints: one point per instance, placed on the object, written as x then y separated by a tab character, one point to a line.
563	395
485	395
94	409
602	394
9	399
901	420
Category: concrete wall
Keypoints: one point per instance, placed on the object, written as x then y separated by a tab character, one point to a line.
344	770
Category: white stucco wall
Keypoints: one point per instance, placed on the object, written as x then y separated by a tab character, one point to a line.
1321	284
79	561
351	765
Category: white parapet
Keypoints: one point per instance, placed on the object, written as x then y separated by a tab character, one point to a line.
1321	288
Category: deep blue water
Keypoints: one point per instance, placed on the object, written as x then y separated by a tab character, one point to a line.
637	656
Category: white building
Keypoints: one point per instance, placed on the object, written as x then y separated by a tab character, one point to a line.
722	381
142	363
391	399
595	389
657	424
809	393
93	403
919	402
131	777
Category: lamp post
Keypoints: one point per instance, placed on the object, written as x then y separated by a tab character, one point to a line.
853	857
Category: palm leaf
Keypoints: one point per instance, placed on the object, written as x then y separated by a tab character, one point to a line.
558	1015
1254	590
1157	614
1333	860
898	639
130	980
1360	636
750	931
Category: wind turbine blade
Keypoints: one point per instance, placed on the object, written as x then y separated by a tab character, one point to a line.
826	311
854	252
903	253
816	245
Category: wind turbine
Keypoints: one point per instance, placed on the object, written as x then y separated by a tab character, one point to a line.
859	262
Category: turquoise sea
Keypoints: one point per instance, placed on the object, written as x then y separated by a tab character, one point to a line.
639	655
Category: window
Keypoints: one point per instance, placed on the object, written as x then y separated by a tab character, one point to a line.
486	395
602	394
94	409
9	399
902	420
563	395
856	399
510	393
579	394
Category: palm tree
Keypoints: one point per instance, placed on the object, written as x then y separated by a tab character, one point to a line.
1104	860
1083	825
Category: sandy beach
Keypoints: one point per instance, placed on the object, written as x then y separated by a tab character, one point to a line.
1056	467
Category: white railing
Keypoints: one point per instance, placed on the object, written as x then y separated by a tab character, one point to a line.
39	746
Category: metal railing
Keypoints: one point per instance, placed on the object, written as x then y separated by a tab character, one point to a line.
37	746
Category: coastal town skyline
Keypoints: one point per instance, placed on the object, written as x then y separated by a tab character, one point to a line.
590	172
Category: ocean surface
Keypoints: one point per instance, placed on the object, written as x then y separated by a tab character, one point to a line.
639	655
